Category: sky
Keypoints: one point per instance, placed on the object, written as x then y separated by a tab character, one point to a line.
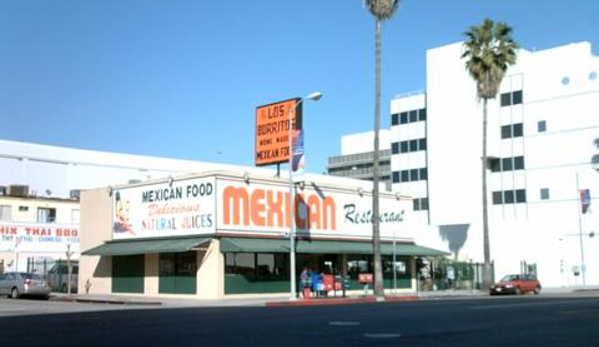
182	78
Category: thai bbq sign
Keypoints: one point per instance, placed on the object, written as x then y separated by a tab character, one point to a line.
38	238
272	130
177	208
261	208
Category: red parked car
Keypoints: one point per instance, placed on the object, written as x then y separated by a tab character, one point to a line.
516	284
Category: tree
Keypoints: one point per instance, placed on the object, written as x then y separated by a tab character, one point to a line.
381	10
489	51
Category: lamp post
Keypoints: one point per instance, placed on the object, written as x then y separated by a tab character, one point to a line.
313	96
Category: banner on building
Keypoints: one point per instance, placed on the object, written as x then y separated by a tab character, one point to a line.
38	238
263	209
585	200
298	162
175	208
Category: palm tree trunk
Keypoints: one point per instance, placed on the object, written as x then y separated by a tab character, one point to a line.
376	234
487	272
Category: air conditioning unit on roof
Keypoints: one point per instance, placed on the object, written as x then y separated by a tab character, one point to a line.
75	194
18	190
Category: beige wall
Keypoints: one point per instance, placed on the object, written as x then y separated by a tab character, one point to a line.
211	268
95	229
151	274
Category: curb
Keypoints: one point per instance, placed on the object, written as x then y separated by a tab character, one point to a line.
106	301
340	301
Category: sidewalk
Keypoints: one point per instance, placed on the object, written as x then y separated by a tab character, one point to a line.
279	300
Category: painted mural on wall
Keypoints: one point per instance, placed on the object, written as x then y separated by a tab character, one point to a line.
179	208
38	238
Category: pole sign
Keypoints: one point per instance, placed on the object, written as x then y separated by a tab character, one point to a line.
272	130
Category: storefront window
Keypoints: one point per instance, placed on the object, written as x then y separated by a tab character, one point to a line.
357	264
178	264
258	266
401	266
177	273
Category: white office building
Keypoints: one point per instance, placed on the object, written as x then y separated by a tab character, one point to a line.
541	134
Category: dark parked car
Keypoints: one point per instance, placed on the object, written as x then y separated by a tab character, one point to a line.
16	284
516	284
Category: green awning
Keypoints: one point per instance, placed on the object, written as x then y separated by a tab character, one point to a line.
251	245
133	247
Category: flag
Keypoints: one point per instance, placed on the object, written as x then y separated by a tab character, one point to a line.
585	200
298	150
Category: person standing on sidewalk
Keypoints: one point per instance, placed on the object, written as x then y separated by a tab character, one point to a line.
305	281
316	280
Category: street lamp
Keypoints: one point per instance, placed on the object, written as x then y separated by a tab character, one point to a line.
312	96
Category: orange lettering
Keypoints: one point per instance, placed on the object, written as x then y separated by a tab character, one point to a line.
275	208
258	208
314	211
239	199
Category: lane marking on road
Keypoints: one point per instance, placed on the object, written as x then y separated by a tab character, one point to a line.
382	336
342	323
519	304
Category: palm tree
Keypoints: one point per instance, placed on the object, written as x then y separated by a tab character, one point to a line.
381	10
489	51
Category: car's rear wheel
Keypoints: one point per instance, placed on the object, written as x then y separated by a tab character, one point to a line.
517	291
537	290
14	293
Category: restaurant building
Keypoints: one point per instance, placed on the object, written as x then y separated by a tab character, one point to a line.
36	231
224	233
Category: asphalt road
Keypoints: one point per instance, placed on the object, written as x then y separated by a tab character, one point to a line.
501	321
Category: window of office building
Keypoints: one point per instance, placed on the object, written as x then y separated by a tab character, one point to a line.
410	175
395	148
542	126
544	193
517	97
46	215
408	117
411	145
403	118
420	204
5	212
404	147
513	98
405	175
509	196
511	130
519	163
506	164
414	174
520	195
497	198
413	116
